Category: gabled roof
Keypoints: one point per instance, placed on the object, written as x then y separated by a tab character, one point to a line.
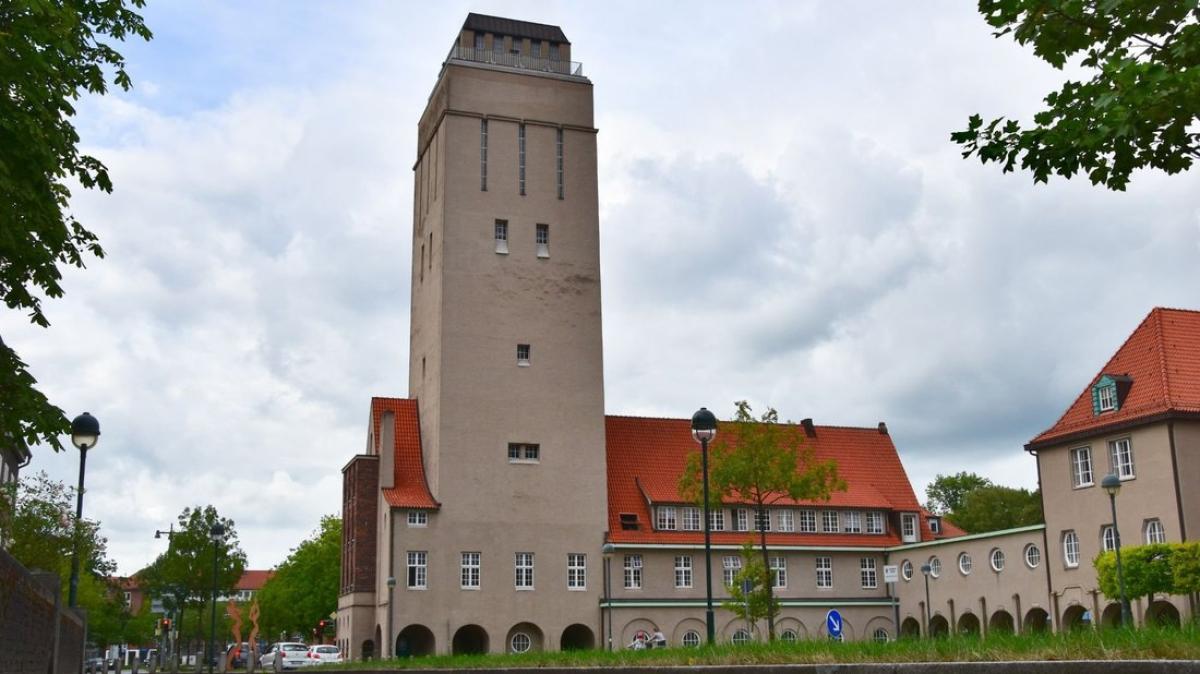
1161	359
501	26
253	579
410	488
646	457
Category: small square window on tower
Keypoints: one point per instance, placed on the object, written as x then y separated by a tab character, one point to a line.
502	237
543	240
523	355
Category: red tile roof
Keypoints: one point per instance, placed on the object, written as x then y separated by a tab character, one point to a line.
646	457
1162	357
253	579
410	488
949	529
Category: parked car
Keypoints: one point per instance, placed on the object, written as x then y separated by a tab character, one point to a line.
95	666
292	654
319	655
241	653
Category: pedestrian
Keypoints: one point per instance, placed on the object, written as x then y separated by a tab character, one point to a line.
660	639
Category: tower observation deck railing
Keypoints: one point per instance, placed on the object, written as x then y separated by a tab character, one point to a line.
519	61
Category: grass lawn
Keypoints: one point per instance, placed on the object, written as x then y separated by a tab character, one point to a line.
1087	644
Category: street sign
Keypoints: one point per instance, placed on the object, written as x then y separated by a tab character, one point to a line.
833	624
747	587
891	573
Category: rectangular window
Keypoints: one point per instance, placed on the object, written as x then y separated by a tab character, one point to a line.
874	523
1108	398
829	521
523	355
824	573
498	48
576	571
559	142
1121	455
521	158
852	522
469	571
522	452
867	568
787	520
535	49
633	572
524	571
1081	467
730	566
908	527
741	519
683	571
417	570
483	143
553	51
716	520
418	518
629	522
779	573
543	240
690	520
666	518
478	42
762	520
808	521
421	269
502	237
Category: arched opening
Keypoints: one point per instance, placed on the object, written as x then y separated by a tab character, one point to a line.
689	632
368	650
1076	617
939	626
414	641
1037	621
470	640
968	624
524	638
578	638
1001	623
1111	615
1162	614
790	630
910	628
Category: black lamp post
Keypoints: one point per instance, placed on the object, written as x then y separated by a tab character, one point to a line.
217	534
85	433
608	549
165	637
926	569
1112	484
704	429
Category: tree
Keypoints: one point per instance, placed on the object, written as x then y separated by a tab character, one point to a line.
1185	568
946	493
50	53
1146	568
1138	109
759	602
995	507
305	586
760	462
40	528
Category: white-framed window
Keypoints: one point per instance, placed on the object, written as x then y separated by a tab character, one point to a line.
880	635
483	145
779	572
521	643
1033	556
965	564
997	558
935	567
789	636
824	573
418	518
666	518
689	518
741	637
523	567
906	570
741	519
524	452
523	353
730	565
543	240
576	571
1081	467
867	573
852	522
521	158
1108	398
762	520
787	520
716	520
1155	533
908	527
469	571
874	522
683	571
829	521
691	638
1108	538
502	237
1070	549
1120	454
417	570
633	572
935	525
808	521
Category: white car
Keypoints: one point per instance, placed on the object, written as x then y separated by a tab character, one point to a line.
320	655
293	655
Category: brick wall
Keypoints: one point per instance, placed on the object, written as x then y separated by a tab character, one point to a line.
360	503
28	611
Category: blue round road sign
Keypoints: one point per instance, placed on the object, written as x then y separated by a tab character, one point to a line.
833	624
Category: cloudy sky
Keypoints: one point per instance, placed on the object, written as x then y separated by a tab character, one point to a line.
783	219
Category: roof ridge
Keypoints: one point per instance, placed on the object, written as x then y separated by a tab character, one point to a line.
1159	344
873	429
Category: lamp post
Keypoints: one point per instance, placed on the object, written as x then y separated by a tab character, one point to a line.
217	534
1112	484
608	549
926	569
85	433
704	429
165	641
389	651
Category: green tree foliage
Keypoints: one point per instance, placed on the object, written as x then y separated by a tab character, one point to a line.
759	602
1147	571
305	586
760	462
50	54
1139	107
995	507
947	492
1185	568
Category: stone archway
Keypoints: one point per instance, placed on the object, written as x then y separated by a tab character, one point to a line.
368	650
1037	620
1075	617
1001	622
1111	615
415	640
910	628
577	637
1162	614
469	640
939	626
968	624
524	638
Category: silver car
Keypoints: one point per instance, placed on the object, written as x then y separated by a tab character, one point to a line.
292	655
320	655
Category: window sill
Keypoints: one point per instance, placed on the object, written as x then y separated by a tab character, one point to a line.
469	589
522	363
1126	478
526	462
523	589
417	589
1085	485
418	526
576	589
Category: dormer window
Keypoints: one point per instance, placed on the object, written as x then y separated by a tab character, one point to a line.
935	525
629	521
1109	392
1108	398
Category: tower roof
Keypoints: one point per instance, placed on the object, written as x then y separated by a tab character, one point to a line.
410	488
1160	366
498	25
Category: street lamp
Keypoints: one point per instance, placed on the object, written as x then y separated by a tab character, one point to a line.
85	433
607	549
704	429
1112	484
926	569
165	637
217	534
390	650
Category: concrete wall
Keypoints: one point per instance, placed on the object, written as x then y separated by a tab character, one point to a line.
33	620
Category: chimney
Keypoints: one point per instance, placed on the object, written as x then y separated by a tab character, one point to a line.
809	429
883	428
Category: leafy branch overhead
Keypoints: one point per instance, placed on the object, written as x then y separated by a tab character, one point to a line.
1139	108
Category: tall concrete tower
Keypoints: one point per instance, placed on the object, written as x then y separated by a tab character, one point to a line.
506	363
